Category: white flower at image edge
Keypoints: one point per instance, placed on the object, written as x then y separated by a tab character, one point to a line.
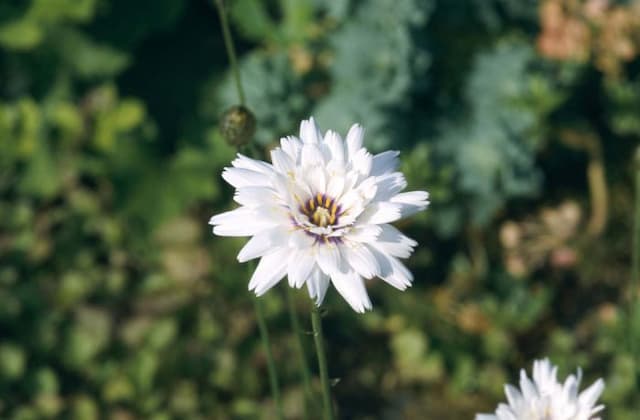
545	398
320	214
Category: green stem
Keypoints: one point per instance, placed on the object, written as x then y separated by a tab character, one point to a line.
273	375
304	367
231	52
316	322
635	267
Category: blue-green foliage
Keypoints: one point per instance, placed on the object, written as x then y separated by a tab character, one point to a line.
376	62
274	93
493	142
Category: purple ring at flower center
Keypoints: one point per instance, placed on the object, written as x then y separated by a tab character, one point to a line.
321	211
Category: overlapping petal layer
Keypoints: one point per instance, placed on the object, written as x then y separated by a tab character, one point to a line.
320	214
545	398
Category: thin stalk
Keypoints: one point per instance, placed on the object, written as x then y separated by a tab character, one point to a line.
597	181
635	267
262	324
304	367
231	51
273	375
316	322
590	143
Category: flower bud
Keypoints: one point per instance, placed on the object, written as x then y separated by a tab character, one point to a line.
238	125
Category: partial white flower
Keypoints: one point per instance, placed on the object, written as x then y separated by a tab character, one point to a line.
547	399
320	213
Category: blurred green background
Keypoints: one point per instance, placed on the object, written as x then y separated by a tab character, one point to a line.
116	301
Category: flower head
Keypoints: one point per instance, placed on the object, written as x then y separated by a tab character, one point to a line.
320	213
547	399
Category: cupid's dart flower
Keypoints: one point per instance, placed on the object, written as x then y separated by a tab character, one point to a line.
321	213
545	398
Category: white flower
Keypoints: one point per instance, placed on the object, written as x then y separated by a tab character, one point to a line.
320	213
547	399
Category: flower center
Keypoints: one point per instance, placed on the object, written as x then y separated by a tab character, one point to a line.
321	210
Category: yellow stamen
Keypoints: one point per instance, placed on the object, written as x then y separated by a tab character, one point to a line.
321	217
321	210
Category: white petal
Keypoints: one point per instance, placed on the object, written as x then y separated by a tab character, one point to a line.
412	202
570	387
262	243
392	271
400	277
353	202
309	131
301	264
354	139
255	196
300	240
380	212
282	162
291	145
290	191
317	179
368	189
241	177
361	162
504	413
311	156
416	198
348	217
336	146
328	258
270	270
351	199
364	233
245	221
485	417
351	178
245	162
528	389
239	230
513	395
389	185
384	162
393	242
597	409
238	222
335	186
544	374
351	286
589	396
360	258
326	151
239	215
317	284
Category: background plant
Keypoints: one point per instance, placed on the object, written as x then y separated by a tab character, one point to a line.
520	117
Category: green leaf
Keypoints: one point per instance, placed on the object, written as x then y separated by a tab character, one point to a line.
23	34
87	58
252	20
57	10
